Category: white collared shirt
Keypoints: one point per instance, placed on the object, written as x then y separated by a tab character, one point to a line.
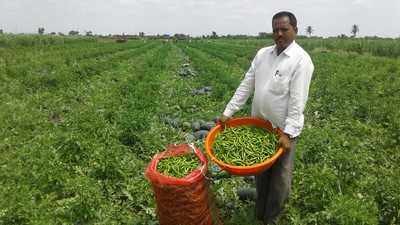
280	84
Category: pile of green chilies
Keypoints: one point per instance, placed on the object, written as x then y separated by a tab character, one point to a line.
244	145
178	166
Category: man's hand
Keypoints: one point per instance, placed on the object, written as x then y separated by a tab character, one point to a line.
284	142
222	120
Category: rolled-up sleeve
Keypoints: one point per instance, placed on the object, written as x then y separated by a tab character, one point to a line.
243	92
298	94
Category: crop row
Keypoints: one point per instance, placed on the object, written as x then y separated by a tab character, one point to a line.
62	148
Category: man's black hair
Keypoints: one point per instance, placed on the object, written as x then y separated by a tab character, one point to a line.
292	18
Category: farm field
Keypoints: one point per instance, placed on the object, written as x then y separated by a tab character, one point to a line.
81	118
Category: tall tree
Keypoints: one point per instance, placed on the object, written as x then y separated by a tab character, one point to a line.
1	31
214	34
309	30
355	29
41	30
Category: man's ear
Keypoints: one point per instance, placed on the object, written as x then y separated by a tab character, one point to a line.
295	29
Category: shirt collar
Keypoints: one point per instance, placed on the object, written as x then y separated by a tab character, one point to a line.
288	51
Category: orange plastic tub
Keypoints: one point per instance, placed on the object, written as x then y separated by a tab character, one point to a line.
243	170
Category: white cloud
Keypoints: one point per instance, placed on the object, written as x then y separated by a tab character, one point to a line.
359	2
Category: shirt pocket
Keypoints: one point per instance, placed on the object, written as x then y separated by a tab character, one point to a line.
279	84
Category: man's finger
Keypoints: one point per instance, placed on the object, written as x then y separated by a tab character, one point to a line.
223	125
222	121
284	143
287	146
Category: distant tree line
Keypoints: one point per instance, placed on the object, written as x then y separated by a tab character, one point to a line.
309	30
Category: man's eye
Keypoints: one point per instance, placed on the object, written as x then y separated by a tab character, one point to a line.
282	30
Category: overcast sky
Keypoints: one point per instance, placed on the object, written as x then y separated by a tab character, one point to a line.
197	17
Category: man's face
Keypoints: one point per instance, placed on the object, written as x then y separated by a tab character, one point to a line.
283	32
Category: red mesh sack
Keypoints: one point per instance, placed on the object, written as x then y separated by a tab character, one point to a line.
181	201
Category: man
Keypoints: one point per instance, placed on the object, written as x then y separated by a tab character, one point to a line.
280	77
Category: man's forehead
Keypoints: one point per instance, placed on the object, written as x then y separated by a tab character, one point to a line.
281	21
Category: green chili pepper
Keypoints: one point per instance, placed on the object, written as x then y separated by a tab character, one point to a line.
244	145
179	166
